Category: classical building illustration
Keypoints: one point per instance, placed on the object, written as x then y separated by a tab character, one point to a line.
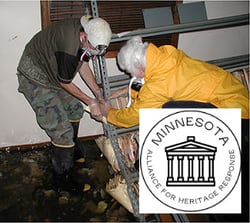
190	163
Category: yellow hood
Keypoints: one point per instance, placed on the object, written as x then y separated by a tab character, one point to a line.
172	75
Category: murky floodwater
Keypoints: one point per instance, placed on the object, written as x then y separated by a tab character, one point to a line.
27	194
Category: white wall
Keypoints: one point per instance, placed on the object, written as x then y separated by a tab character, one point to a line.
218	43
20	20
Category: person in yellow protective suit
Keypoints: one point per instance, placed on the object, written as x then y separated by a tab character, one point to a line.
170	75
172	79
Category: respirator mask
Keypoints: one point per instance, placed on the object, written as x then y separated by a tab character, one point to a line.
98	34
135	84
88	52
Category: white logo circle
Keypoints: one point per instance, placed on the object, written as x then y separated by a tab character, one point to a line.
190	160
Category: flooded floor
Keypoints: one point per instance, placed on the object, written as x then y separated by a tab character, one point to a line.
27	194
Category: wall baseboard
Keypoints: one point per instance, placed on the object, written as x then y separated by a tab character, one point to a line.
43	145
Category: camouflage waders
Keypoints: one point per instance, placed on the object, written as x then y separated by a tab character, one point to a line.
58	113
54	109
46	60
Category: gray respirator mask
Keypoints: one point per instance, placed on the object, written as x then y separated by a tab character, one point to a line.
99	51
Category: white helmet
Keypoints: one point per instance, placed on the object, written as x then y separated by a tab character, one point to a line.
98	31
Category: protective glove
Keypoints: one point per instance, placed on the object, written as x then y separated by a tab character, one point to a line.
98	95
95	110
122	92
105	106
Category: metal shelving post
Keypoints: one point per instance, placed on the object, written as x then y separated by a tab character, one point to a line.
131	176
110	131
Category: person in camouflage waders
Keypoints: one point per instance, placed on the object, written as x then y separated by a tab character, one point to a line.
45	72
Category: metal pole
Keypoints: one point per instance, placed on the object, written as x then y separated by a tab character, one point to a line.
184	28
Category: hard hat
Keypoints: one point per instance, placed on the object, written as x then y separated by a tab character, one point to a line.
98	31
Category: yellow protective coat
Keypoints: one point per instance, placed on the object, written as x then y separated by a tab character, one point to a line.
172	75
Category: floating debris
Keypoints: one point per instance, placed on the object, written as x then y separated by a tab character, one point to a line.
28	194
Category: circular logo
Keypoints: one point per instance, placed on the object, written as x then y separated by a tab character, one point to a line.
190	160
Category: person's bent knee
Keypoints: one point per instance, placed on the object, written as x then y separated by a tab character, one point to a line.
62	135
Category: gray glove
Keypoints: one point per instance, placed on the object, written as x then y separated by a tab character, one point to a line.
95	110
105	106
99	96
